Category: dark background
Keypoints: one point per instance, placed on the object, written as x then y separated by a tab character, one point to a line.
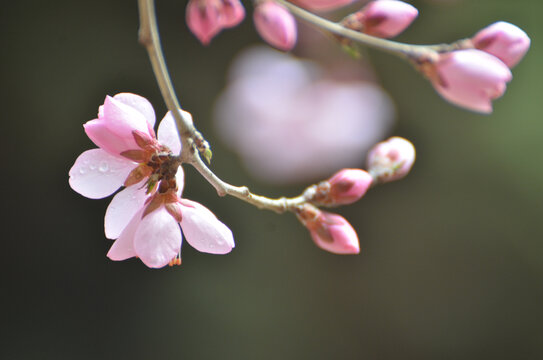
452	257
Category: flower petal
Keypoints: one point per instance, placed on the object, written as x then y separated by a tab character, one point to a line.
139	103
167	131
102	136
97	174
123	247
158	239
122	119
122	208
203	230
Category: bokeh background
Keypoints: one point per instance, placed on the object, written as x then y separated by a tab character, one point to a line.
452	257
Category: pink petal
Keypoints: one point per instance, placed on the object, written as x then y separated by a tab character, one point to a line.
158	239
122	119
139	103
97	174
122	208
123	247
102	136
167	132
203	230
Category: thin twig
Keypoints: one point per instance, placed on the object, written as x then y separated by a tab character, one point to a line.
407	51
149	37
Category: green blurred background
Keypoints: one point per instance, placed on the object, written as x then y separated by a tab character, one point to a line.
452	257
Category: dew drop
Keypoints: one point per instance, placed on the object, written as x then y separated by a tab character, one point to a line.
83	170
92	166
103	167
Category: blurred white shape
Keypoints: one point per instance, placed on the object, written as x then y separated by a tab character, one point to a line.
290	124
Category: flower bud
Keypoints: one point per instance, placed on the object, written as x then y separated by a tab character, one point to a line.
391	160
384	18
275	24
330	232
232	12
344	187
204	19
504	40
469	78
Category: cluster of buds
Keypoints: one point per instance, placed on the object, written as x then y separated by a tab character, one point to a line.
477	73
387	161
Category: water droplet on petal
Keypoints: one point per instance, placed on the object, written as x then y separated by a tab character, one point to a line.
92	166
82	170
103	167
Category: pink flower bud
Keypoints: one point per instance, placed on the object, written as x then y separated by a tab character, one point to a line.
347	186
275	24
232	12
469	78
330	232
386	18
322	5
504	40
391	159
204	19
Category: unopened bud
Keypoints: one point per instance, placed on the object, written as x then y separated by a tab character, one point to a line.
391	159
204	19
505	41
233	12
344	187
468	78
275	24
330	232
382	18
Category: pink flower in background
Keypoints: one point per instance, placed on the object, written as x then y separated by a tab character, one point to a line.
275	24
206	18
143	217
290	124
504	40
470	78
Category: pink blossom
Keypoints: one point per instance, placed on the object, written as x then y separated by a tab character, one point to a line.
130	155
206	18
322	5
281	114
156	238
330	232
391	160
504	40
470	78
383	18
275	24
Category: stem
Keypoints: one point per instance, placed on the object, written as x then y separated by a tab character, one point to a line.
406	51
149	38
